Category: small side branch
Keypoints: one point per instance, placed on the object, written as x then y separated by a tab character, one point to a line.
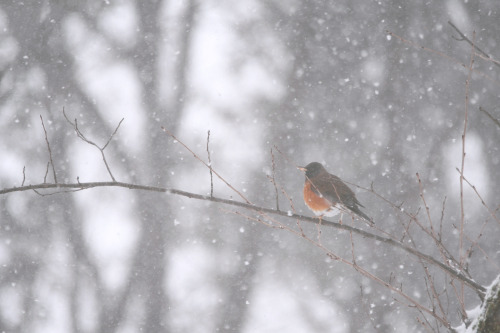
464	38
50	151
490	211
495	120
210	166
273	180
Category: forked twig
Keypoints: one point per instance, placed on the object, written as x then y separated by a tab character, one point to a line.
101	149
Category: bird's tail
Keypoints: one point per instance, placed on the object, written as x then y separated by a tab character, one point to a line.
362	215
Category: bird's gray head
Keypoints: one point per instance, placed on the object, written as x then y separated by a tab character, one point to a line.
313	169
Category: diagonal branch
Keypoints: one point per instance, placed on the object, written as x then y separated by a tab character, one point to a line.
208	166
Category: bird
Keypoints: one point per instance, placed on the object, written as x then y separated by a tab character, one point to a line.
327	195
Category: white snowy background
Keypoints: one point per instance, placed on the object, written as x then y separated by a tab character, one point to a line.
320	81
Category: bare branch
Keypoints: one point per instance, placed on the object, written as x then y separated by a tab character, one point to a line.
24	175
80	186
50	151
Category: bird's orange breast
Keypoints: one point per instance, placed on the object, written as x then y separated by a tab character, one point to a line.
316	203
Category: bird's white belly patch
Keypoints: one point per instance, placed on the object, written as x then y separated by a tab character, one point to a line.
332	211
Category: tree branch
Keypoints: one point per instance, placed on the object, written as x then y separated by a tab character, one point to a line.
480	290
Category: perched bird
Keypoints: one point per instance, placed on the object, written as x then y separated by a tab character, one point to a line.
326	194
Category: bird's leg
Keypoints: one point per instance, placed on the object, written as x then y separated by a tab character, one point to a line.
320	218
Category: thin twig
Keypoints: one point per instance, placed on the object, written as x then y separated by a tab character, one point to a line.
447	256
273	180
398	290
462	257
418	46
491	212
464	38
476	245
285	156
210	166
445	253
458	294
495	120
46	173
421	188
24	175
112	135
441	220
441	54
290	201
466	116
50	150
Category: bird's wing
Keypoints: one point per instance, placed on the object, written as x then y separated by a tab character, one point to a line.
332	188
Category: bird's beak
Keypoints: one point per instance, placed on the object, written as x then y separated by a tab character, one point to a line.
302	169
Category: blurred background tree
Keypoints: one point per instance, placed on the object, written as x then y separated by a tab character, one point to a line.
321	81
